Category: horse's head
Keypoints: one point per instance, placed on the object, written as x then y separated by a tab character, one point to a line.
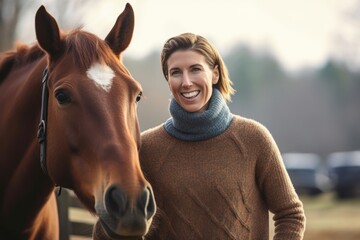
92	131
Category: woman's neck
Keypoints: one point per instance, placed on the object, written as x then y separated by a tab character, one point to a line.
199	126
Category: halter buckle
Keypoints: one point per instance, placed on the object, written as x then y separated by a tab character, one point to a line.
41	132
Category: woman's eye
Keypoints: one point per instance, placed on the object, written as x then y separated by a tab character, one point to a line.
174	73
196	69
62	97
138	97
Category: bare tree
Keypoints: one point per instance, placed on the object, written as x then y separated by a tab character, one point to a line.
346	41
14	16
9	15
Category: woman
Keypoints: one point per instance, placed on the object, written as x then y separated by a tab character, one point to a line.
215	175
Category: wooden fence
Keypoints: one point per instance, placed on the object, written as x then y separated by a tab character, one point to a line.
75	221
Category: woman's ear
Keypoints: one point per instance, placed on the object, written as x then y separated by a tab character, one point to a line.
216	74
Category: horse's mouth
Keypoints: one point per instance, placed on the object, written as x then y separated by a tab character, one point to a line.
111	234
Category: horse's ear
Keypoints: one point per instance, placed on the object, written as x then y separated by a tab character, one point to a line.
47	32
120	35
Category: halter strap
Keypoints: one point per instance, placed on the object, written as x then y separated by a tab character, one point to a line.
42	124
43	118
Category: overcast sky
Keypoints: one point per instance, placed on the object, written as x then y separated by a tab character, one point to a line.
298	32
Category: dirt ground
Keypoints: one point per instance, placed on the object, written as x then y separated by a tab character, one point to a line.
327	218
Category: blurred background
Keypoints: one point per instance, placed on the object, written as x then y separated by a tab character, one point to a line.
295	65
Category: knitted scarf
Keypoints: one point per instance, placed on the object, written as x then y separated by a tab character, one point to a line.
197	126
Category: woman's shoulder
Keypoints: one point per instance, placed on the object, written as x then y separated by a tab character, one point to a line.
155	136
154	131
248	125
255	138
251	132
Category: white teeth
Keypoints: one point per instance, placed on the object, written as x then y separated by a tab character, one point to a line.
191	94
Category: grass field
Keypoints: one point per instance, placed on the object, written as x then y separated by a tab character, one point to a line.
330	219
327	218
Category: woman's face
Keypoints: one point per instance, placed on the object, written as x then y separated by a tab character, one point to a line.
190	80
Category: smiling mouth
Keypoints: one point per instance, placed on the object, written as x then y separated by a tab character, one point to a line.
191	94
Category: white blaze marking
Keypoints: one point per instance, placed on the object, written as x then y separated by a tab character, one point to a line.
102	75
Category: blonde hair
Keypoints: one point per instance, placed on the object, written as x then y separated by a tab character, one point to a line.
199	44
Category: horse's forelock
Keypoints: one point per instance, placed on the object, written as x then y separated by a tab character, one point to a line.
86	48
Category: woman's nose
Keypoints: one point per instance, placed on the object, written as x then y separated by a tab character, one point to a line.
186	81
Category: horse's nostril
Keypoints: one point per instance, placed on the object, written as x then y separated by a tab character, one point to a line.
146	203
151	208
116	202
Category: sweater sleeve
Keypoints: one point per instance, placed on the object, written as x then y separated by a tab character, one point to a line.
277	189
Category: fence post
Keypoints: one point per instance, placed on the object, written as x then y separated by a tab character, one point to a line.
63	210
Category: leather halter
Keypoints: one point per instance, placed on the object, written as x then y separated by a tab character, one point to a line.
42	125
43	118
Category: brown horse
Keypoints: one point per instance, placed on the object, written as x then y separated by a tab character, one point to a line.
85	101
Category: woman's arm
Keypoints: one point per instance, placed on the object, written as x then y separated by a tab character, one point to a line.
278	191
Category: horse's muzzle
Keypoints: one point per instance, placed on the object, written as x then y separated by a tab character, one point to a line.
126	218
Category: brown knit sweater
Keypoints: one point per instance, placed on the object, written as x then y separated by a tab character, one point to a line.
225	196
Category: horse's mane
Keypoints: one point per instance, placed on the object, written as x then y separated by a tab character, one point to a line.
23	54
84	47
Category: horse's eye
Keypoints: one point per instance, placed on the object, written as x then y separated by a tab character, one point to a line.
138	97
62	97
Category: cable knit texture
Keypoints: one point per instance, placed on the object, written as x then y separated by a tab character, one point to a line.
221	187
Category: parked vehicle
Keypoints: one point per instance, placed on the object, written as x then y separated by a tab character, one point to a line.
307	173
344	168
